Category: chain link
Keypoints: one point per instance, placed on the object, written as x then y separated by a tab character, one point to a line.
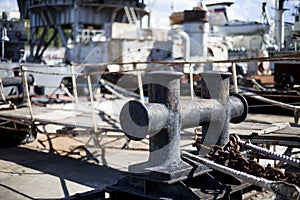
232	156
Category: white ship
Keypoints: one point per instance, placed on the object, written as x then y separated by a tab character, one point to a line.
237	27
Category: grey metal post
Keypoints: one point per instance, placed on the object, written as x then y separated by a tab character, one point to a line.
3	43
191	71
74	86
140	83
165	89
95	132
92	102
26	92
234	78
216	86
160	118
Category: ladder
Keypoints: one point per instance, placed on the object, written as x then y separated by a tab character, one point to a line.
131	15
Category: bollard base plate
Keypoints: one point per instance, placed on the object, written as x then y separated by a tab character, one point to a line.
170	173
205	186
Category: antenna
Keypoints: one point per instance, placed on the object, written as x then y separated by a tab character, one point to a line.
172	6
265	15
200	3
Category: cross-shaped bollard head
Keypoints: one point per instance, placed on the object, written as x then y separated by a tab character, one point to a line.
164	116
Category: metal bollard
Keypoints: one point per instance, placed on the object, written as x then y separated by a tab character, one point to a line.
165	115
160	118
227	109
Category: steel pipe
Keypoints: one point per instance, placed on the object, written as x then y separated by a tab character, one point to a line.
16	81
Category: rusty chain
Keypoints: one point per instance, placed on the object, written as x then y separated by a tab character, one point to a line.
232	156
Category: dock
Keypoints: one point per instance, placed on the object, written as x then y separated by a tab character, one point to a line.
62	162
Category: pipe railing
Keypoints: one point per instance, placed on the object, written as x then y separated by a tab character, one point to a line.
165	65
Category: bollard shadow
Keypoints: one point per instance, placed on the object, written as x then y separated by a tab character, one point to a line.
210	186
65	169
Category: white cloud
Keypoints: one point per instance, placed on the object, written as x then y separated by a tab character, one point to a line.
241	9
245	10
162	9
8	5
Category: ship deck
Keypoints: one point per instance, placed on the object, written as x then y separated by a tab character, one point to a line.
271	129
69	115
61	162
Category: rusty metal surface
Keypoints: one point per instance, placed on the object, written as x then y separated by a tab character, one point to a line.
282	189
259	129
235	159
289	160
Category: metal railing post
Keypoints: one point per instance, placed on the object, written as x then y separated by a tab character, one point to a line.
26	92
95	136
191	71
140	82
74	86
234	77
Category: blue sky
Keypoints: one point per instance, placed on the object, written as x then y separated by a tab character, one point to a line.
161	9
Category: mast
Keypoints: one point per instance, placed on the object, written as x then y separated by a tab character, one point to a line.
265	14
279	24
